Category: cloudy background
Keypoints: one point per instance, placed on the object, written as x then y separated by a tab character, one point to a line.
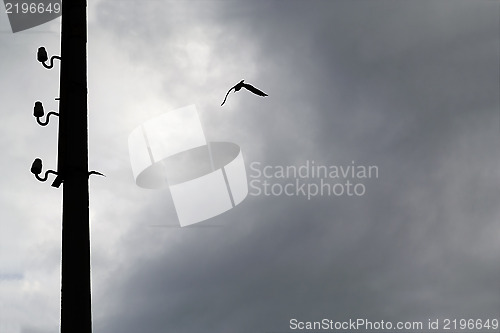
409	86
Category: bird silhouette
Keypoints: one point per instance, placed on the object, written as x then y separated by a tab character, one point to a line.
247	86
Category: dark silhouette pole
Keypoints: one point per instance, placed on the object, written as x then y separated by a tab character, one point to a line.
76	314
72	166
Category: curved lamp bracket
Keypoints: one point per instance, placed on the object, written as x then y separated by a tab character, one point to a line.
38	113
36	169
42	57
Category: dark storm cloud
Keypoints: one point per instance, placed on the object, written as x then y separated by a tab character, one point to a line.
409	86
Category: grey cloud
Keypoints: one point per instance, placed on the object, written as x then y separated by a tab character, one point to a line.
408	86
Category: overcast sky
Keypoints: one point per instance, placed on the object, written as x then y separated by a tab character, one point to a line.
411	87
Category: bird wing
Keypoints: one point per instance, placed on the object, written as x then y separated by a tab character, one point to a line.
226	95
254	90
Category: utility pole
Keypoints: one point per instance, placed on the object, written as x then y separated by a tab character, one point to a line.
76	313
72	167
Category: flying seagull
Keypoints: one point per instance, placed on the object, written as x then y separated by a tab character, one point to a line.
247	86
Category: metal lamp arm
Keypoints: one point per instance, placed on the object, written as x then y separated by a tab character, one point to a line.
51	62
46	175
46	122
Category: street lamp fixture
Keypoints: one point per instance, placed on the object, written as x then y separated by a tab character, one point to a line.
38	112
36	169
42	57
